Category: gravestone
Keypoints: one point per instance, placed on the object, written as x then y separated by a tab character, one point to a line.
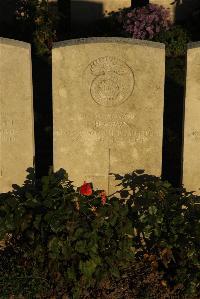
16	115
191	163
108	108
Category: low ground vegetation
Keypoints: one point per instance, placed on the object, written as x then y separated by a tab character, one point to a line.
78	242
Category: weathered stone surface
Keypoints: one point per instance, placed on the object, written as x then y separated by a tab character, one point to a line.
191	162
108	108
16	115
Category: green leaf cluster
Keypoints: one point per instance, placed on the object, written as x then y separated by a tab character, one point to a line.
76	242
72	239
166	223
175	40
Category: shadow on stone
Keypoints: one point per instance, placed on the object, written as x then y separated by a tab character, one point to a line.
173	124
42	94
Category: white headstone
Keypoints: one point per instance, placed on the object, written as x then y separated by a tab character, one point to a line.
191	162
108	96
16	113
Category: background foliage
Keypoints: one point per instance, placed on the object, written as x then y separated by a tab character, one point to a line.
41	23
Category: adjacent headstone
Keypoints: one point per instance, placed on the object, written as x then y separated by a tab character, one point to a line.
108	108
16	115
191	162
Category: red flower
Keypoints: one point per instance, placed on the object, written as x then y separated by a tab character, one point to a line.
86	189
103	197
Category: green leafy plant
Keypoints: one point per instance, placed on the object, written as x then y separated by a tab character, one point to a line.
166	224
175	40
79	239
74	239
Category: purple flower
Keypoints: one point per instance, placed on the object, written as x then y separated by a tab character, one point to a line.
145	22
129	15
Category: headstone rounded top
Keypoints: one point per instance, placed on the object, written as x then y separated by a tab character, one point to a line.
15	43
122	40
193	45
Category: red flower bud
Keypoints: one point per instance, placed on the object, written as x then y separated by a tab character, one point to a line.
103	197
86	189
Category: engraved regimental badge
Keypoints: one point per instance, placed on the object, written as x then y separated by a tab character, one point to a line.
110	80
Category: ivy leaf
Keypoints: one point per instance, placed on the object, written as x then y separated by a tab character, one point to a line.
79	232
56	224
27	219
39	253
66	250
12	202
32	203
36	222
143	218
71	274
81	246
88	268
3	229
48	216
152	210
115	272
9	223
54	247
